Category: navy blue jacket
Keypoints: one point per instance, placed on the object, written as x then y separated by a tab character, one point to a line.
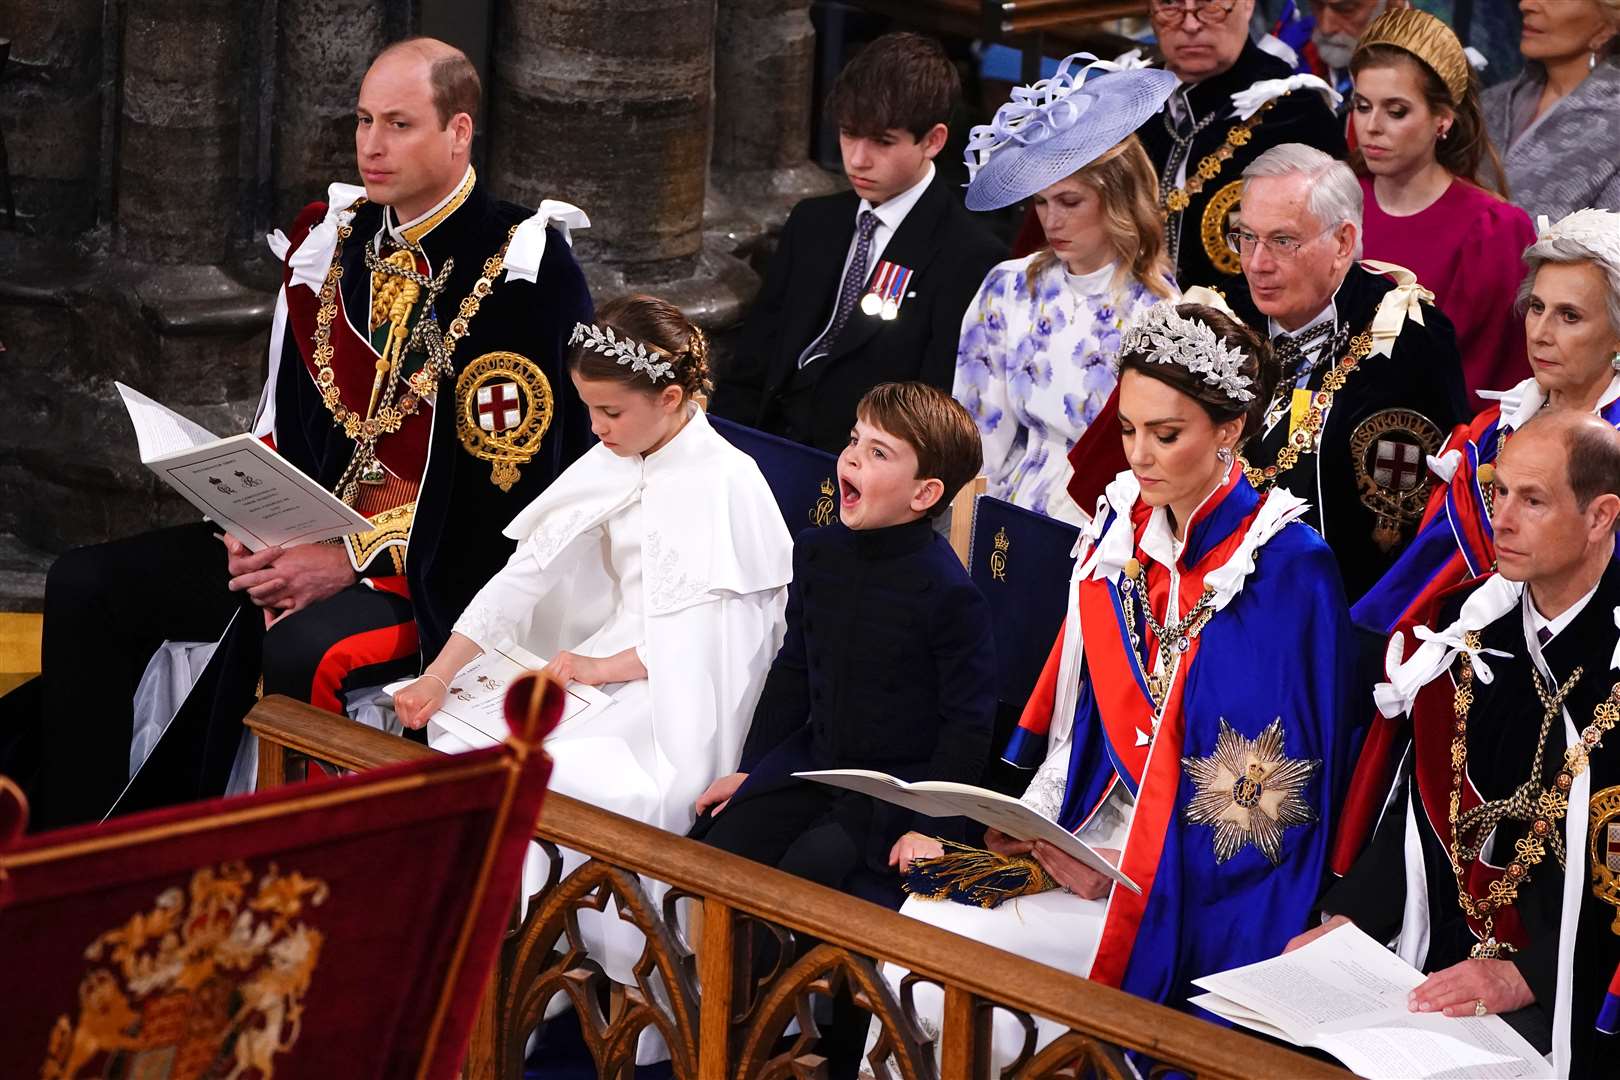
888	664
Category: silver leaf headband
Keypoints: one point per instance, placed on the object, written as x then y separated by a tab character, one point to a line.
624	351
1164	337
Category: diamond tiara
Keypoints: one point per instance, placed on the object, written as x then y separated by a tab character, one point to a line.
1164	337
624	351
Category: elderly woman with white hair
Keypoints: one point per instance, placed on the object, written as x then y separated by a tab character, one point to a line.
1571	305
1555	123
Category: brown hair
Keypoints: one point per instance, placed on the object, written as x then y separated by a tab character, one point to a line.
658	325
1260	366
935	425
1466	151
1594	461
1128	188
902	81
455	82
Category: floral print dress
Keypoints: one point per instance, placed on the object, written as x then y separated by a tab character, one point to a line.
1035	368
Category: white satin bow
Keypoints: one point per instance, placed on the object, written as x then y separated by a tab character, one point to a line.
528	244
311	260
1247	102
1404	301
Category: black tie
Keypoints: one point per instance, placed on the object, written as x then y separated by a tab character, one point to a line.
1544	635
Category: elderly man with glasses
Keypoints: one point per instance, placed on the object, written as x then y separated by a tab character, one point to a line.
1371	379
1235	101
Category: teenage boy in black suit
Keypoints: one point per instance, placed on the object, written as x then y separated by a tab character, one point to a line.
815	340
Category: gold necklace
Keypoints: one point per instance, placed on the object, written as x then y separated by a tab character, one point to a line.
1174	640
365	431
1178	199
1303	438
1543	808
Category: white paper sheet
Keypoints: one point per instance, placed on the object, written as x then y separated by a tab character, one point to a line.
1346	994
238	482
942	798
475	708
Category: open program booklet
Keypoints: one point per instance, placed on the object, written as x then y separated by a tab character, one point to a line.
942	798
240	483
1346	994
475	708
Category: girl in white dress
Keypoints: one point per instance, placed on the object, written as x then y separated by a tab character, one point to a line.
656	568
1036	359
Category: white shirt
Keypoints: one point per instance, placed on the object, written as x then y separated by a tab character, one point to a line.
1312	358
889	214
1555	626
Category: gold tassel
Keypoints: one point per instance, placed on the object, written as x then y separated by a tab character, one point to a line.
971	875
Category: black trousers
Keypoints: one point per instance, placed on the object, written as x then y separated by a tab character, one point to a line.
816	832
108	607
810	830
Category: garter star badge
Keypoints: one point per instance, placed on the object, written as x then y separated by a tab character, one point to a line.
1248	792
503	410
1604	829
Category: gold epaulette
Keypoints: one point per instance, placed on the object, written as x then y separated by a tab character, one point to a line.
390	531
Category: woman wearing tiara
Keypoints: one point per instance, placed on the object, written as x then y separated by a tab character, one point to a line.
1191	712
1035	362
656	567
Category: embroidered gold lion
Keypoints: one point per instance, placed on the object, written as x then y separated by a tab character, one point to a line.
209	983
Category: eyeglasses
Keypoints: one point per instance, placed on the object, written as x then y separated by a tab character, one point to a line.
1284	248
1208	12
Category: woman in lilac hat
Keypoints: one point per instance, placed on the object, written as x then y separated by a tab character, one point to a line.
1035	363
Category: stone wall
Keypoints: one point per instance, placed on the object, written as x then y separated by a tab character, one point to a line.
153	143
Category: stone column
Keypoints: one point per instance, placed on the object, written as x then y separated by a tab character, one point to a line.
606	103
179	130
323	49
50	110
764	80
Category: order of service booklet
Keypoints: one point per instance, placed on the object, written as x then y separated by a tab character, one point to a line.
1345	994
239	482
943	798
474	710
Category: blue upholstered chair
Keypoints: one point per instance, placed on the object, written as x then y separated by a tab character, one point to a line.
803	479
1021	561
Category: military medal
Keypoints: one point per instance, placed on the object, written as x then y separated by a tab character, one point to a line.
889	283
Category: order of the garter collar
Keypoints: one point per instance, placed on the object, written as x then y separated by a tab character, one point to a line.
654	364
1164	337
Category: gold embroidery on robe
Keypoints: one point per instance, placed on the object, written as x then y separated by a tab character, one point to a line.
390	529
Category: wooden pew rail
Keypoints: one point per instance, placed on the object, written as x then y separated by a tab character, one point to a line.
718	1015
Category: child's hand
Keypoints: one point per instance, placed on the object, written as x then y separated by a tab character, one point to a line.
567	667
1002	844
913	845
719	793
418	701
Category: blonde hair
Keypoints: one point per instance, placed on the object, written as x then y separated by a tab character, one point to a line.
1128	188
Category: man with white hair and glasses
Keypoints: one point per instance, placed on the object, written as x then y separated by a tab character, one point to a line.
1234	102
1371	378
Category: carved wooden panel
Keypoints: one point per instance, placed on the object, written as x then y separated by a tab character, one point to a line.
548	956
